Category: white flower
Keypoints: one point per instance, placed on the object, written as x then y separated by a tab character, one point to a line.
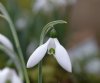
42	5
6	42
54	47
93	66
59	2
49	5
8	75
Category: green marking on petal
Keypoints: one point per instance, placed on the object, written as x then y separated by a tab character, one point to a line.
51	51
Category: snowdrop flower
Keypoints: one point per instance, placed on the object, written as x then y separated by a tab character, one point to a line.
6	42
21	23
93	66
42	5
59	2
49	5
53	47
8	75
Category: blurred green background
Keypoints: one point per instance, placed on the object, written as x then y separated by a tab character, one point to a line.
81	36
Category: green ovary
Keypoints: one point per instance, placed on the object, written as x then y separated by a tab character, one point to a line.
51	51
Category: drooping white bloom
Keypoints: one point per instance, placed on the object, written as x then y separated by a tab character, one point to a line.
22	22
9	75
49	5
93	66
5	41
42	5
59	2
53	47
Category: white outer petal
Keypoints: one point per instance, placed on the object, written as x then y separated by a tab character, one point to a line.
3	75
9	74
37	55
15	78
62	56
5	41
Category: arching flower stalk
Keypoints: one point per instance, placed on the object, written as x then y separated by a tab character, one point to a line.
53	47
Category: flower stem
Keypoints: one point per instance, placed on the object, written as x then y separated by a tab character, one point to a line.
14	58
40	64
40	72
14	33
19	51
45	30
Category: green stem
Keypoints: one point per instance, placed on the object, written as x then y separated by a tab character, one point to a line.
40	64
40	72
14	33
19	52
14	58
